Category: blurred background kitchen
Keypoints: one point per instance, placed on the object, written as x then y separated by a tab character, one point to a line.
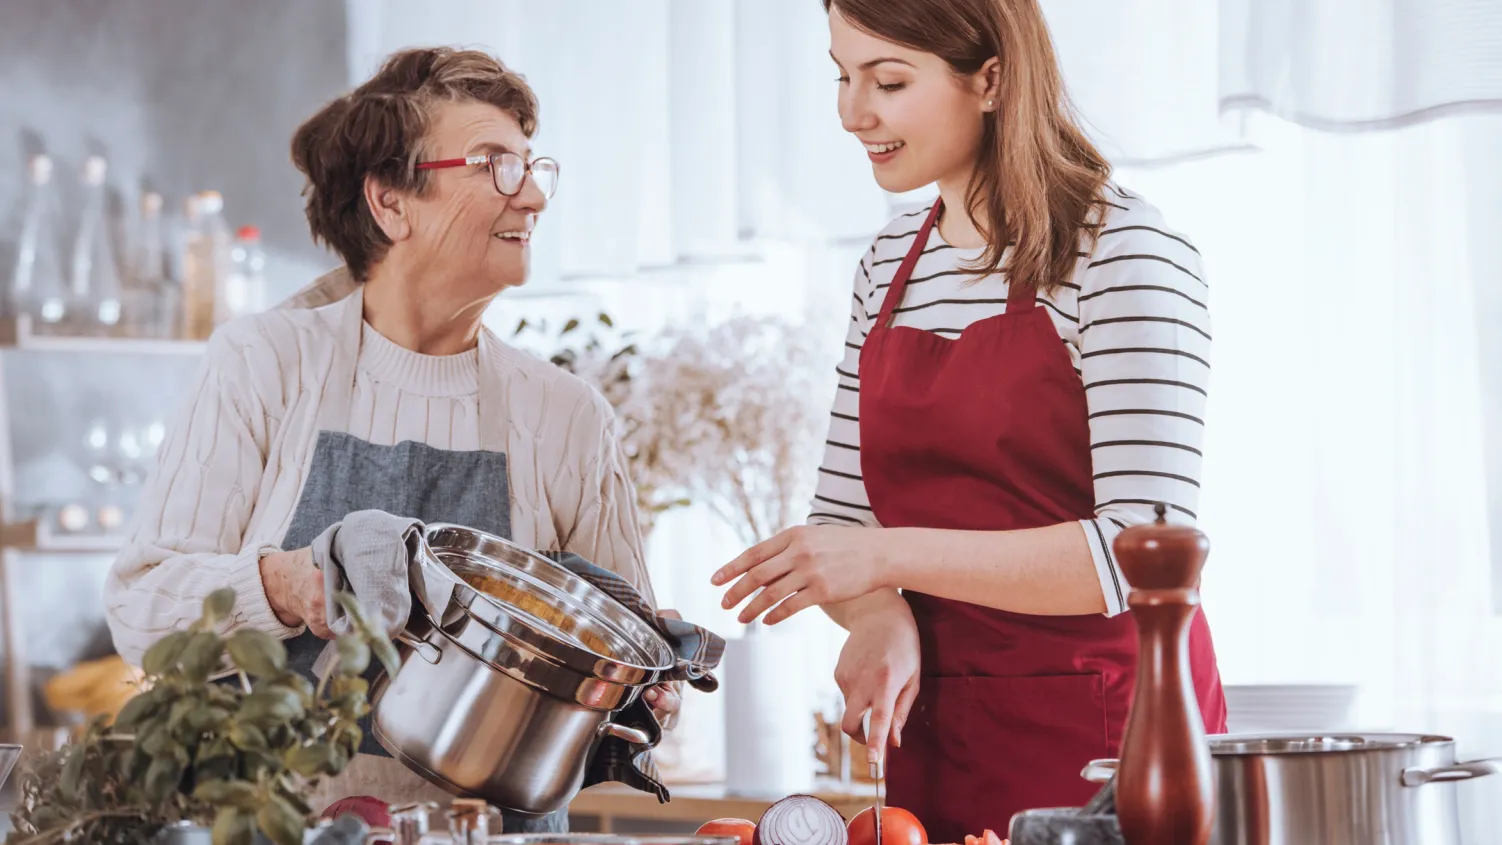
1337	162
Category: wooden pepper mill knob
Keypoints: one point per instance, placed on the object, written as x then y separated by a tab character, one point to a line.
1164	786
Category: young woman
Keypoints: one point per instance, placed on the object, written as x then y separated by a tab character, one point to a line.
1024	377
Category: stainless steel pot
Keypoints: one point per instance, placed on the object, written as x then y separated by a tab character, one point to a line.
506	699
1335	789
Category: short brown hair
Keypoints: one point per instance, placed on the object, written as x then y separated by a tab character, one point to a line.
379	130
1038	179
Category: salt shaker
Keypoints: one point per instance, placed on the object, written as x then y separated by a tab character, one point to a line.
470	821
412	823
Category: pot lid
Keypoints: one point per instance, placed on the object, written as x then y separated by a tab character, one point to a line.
1231	745
520	593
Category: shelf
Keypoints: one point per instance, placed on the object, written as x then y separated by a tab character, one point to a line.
16	333
32	536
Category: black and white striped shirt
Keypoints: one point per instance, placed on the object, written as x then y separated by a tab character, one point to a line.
1135	320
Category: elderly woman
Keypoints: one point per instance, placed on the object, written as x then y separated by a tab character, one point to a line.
389	394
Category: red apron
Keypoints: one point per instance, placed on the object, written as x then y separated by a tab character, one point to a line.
988	432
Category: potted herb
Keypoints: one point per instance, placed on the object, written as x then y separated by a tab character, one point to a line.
237	757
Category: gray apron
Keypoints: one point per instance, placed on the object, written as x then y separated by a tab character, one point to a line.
347	474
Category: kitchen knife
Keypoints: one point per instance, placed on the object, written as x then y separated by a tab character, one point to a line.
878	773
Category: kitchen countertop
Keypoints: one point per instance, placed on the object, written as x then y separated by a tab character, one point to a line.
698	803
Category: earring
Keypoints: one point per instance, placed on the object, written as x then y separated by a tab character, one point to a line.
990	104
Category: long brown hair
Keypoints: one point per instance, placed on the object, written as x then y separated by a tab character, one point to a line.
1038	179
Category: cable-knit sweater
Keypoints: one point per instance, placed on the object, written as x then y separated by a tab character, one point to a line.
231	470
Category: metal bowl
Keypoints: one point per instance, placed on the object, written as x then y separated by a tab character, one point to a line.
530	599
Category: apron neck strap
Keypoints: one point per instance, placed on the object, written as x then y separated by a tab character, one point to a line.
339	390
905	269
491	358
1020	298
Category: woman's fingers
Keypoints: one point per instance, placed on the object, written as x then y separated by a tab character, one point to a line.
904	706
664	699
763	551
799	601
761	575
769	596
857	702
315	607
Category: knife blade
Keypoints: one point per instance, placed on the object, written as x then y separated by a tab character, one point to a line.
878	774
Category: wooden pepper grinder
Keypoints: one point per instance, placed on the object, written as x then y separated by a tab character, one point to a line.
1164	789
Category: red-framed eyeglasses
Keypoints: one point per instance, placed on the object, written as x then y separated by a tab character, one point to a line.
508	171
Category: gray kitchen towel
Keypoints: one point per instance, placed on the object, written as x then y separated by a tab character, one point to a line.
699	651
373	554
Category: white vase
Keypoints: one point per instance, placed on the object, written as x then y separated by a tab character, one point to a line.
769	725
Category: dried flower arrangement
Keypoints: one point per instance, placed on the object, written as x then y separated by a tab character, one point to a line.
742	404
614	365
732	415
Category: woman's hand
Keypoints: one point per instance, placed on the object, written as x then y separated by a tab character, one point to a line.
878	671
665	698
807	566
294	589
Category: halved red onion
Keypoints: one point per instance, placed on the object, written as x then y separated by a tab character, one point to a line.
801	820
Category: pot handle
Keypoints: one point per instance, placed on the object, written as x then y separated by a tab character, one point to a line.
426	650
1460	771
623	732
1099	771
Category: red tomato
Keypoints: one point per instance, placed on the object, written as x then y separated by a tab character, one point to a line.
898	827
741	828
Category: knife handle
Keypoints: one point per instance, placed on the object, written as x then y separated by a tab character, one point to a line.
876	756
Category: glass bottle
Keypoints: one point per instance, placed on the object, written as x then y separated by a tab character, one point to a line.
94	275
37	285
144	311
244	289
207	264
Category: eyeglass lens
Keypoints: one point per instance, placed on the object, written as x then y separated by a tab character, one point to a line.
510	171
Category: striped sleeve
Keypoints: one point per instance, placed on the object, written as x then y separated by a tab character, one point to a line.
1145	362
840	494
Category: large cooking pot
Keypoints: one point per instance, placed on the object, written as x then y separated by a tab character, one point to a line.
1334	789
507	695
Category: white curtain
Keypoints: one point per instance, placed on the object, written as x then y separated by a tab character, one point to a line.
1354	65
686	131
1339	164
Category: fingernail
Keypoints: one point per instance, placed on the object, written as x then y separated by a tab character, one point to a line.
652	695
871	756
716	578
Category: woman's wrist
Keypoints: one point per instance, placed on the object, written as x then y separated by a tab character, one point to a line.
872	606
894	553
279	577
